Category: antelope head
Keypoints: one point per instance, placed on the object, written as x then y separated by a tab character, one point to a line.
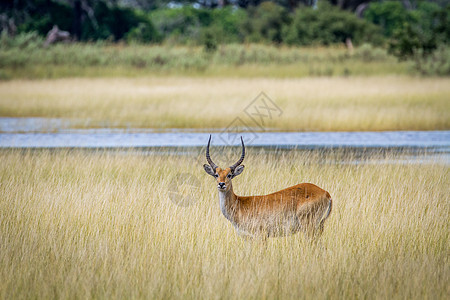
224	176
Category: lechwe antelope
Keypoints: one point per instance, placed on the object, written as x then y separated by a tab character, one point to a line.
303	207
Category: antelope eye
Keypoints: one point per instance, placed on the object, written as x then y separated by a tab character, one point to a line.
215	175
229	175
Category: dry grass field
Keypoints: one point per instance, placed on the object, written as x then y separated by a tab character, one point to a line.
308	104
78	224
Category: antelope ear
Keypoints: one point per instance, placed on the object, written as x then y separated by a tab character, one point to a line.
209	170
238	170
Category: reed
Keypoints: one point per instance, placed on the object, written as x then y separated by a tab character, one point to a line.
308	104
29	60
79	224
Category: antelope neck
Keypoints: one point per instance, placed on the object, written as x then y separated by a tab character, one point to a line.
228	203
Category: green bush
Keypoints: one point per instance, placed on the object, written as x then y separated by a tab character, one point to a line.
329	25
389	15
420	30
187	25
179	25
144	32
265	23
405	42
114	22
22	41
442	28
368	53
209	41
110	21
42	15
435	64
226	25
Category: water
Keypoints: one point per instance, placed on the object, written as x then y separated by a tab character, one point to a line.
56	133
32	124
438	140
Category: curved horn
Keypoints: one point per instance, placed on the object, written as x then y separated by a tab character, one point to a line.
242	156
208	158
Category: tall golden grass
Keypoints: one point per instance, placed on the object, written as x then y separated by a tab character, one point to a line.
310	104
77	224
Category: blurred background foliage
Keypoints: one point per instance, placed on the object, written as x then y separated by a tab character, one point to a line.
409	29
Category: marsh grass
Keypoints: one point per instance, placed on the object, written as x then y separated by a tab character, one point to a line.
31	60
308	104
77	224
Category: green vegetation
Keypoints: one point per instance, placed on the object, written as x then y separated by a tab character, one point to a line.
24	58
99	225
328	25
192	39
424	28
436	63
308	104
262	22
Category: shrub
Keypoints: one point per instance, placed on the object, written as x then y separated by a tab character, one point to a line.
434	64
209	41
112	22
368	53
405	42
178	24
389	15
227	24
189	25
24	40
412	31
329	25
145	32
265	23
42	15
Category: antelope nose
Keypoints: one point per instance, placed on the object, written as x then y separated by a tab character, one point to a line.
221	185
